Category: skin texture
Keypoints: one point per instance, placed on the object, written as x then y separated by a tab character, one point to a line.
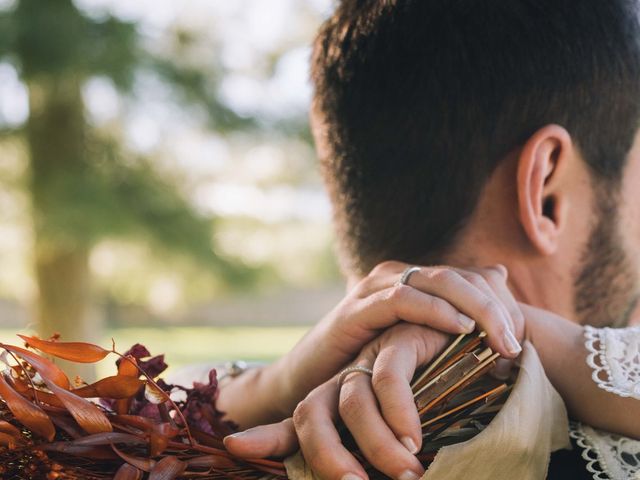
538	216
447	299
542	228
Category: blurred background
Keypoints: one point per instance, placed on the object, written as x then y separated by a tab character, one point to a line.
157	177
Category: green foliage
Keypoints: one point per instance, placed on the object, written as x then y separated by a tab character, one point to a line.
84	184
53	38
196	87
111	197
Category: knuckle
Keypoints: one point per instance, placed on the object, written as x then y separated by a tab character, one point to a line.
490	309
364	287
398	294
476	280
319	458
351	405
301	413
438	307
378	450
442	275
385	267
493	276
384	380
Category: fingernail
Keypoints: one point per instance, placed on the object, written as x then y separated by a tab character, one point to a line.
351	476
510	342
467	324
409	475
236	435
409	444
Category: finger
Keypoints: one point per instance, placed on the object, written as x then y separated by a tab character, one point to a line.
274	440
403	302
359	411
496	277
392	372
382	276
485	309
479	279
321	446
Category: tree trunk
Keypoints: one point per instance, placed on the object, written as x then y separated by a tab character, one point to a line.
56	141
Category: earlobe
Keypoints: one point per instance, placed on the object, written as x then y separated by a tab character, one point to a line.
540	202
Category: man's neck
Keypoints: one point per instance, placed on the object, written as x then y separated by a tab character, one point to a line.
532	281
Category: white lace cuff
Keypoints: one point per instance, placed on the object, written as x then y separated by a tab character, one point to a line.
608	456
614	356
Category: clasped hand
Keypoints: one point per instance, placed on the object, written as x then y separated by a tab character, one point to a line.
392	329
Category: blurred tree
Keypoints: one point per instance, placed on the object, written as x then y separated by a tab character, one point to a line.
82	184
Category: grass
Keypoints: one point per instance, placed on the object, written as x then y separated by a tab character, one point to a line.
188	345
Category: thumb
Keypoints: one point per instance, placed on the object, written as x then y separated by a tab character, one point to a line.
274	440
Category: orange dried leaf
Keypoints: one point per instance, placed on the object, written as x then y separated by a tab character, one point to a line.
141	423
84	451
23	387
108	438
128	367
10	441
6	427
28	414
153	394
80	352
166	429
128	472
115	387
45	367
157	444
68	425
167	469
212	461
144	464
88	416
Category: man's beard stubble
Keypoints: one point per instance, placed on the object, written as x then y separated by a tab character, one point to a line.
606	287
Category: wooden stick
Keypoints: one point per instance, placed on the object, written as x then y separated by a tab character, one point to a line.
497	390
486	362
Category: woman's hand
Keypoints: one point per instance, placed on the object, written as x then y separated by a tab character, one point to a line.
379	411
447	299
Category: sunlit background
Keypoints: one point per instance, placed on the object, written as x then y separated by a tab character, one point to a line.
157	178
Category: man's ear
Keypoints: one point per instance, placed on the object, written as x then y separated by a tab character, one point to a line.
541	199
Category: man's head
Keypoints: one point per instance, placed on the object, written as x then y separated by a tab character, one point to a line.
438	118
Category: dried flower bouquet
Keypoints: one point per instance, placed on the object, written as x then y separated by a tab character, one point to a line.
132	428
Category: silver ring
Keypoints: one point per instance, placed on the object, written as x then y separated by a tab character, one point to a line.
353	369
406	275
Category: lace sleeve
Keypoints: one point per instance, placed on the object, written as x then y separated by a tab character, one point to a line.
607	456
614	356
